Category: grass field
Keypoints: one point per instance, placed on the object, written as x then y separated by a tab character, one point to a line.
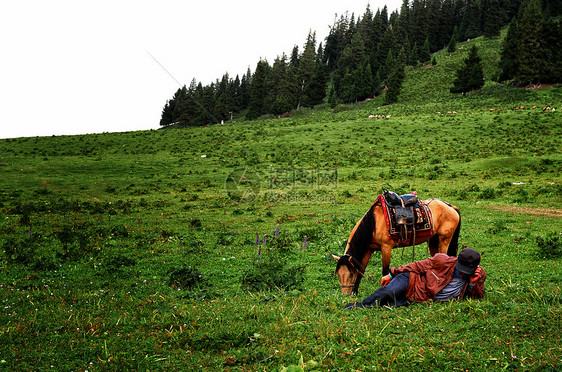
209	248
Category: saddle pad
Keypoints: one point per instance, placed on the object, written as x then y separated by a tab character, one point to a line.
423	221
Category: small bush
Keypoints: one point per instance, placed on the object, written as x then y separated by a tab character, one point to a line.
497	227
550	246
196	223
283	243
186	278
521	196
270	273
504	184
487	193
116	263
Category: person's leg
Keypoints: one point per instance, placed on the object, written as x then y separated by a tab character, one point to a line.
396	294
392	295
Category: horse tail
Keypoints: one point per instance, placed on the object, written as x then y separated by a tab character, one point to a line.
454	243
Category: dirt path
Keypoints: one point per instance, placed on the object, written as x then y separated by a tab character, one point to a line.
544	212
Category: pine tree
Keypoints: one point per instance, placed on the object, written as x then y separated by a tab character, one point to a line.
389	66
245	85
365	28
396	78
552	36
387	44
508	59
208	107
433	24
166	118
425	53
349	86
368	87
306	73
470	76
258	91
188	110
414	55
182	102
470	24
235	92
491	18
446	23
317	86
353	61
419	22
282	87
331	95
402	25
377	84
394	85
529	56
295	57
453	42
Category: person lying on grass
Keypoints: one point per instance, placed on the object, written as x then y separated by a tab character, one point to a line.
438	278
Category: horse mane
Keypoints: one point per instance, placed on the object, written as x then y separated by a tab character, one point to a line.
360	241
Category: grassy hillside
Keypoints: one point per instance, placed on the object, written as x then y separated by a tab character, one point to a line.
138	251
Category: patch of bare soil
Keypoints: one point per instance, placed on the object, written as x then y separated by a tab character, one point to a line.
543	212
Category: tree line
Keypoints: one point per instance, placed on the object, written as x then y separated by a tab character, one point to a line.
364	56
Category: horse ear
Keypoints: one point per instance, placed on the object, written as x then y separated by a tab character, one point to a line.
336	257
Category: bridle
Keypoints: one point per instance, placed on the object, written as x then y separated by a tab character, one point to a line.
360	270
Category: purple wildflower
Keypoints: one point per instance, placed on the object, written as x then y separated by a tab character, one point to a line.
264	239
304	244
277	230
139	222
259	253
257	239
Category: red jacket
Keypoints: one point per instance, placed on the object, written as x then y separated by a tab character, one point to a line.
429	276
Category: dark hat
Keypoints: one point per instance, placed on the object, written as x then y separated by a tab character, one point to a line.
468	261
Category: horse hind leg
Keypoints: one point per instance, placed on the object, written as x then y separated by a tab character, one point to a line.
433	245
440	244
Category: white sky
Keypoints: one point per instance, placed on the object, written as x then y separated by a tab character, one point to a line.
76	67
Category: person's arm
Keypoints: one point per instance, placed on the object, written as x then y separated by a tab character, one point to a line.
475	287
420	267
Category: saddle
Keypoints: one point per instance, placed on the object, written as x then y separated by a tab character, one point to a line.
403	206
406	217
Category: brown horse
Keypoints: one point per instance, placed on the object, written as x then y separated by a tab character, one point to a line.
371	234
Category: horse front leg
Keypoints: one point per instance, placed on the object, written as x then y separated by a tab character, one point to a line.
386	251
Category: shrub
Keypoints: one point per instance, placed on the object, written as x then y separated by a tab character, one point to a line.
273	273
550	246
487	193
521	196
186	278
497	226
116	263
196	223
283	243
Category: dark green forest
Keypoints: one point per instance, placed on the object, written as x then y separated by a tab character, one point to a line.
366	56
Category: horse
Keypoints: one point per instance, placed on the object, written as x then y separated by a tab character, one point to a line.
371	234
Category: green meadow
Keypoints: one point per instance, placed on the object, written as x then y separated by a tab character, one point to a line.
209	248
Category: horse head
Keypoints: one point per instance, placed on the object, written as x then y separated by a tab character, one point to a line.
349	274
